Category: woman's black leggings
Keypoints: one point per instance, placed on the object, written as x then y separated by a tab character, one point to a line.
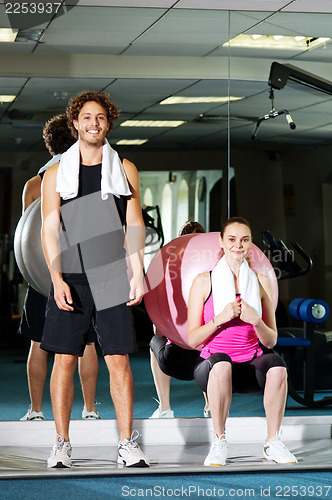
174	360
246	377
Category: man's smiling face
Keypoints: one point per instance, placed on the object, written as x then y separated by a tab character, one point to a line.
92	125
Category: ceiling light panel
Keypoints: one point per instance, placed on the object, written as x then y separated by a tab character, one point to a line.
8	35
153	123
197	100
285	23
131	142
276	41
7	98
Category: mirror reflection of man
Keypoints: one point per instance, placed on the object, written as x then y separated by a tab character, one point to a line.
58	139
91	191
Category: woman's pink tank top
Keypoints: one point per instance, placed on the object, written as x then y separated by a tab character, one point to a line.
235	338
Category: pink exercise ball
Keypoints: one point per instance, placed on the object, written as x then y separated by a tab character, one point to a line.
170	275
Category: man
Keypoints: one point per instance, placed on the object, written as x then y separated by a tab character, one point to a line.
58	138
95	196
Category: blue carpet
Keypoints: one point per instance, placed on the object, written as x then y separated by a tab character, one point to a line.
274	485
186	398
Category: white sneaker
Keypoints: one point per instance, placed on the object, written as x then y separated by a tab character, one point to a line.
218	452
33	415
207	413
158	413
130	454
90	415
275	450
61	454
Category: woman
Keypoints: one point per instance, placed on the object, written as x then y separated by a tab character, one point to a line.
231	315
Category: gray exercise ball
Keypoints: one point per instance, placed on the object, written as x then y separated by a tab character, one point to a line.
28	249
17	242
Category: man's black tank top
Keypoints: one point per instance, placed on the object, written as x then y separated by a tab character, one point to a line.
89	183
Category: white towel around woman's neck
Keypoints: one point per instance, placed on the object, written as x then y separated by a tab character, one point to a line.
113	177
223	286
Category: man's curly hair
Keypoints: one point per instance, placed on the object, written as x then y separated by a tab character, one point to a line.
76	104
57	136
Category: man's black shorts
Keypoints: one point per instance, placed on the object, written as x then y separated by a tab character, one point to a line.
67	332
33	315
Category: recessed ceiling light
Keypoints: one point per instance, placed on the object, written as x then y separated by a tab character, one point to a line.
192	100
8	35
29	35
131	142
7	98
60	96
152	123
276	42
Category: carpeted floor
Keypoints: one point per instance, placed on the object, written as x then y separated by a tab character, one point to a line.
306	485
186	398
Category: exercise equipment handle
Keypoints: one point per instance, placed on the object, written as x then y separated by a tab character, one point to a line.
305	257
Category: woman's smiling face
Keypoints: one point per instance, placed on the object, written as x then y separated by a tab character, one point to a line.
236	241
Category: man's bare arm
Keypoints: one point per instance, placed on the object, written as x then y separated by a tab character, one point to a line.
31	191
135	238
50	238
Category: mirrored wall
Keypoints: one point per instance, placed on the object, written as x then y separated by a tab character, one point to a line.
188	65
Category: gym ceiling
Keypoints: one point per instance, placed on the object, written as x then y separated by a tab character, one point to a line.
145	51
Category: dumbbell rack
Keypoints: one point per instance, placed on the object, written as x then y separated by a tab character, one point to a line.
311	312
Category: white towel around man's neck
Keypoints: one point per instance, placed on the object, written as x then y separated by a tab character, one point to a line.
113	177
223	286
